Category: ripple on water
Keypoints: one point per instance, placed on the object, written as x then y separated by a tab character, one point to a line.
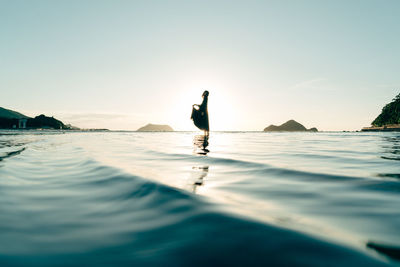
62	205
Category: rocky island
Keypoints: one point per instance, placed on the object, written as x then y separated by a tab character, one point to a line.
289	126
155	128
388	120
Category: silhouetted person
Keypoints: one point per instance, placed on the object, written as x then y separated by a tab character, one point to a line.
200	114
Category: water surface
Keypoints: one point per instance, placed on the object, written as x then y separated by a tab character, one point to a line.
177	198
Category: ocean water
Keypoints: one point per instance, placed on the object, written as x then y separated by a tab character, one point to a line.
180	199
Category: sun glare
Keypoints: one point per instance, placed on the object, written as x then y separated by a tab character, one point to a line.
220	108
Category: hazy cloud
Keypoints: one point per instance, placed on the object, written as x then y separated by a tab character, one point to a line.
103	120
308	84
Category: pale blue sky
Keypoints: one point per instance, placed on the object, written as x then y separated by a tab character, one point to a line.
122	64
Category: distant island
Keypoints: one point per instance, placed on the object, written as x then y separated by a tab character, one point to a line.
155	128
289	126
389	119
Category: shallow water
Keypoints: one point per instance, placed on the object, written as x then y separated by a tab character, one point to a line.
179	199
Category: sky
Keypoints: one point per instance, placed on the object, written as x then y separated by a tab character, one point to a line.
122	64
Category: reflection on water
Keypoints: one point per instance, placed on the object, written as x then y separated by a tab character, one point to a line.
391	151
6	142
200	144
198	175
391	147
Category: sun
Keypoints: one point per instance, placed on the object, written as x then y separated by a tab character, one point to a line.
221	109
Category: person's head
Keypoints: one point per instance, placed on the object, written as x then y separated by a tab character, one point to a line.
205	93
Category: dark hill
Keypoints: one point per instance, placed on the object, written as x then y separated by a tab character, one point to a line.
10	114
289	126
42	121
10	119
390	114
155	128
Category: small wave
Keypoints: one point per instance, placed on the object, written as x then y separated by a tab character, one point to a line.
391	251
98	215
62	205
256	166
12	153
390	158
390	175
152	224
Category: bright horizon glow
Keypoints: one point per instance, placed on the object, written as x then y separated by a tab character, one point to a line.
121	65
220	105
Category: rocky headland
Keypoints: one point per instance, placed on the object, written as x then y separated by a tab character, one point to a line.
10	119
389	119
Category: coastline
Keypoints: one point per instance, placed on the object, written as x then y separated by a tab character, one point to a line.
386	128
